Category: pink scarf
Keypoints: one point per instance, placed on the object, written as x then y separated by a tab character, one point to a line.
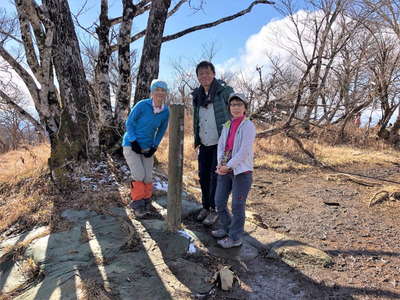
232	132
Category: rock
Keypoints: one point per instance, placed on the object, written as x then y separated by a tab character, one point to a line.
244	253
284	247
93	251
36	232
76	216
292	251
188	207
11	276
62	287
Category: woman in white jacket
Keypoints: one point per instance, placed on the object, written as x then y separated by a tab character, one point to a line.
235	172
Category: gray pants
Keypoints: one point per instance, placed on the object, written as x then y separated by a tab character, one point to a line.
141	167
240	186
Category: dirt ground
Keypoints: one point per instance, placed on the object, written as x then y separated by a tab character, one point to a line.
363	241
323	209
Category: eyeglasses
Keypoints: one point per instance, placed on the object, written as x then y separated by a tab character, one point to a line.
238	104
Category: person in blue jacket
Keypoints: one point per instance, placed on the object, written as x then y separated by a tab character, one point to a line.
145	127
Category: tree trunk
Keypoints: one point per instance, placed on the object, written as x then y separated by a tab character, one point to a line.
395	132
150	60
124	90
104	112
77	137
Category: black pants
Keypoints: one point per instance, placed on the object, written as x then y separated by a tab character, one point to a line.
208	178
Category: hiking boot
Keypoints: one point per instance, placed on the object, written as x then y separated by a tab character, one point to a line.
227	243
138	208
148	206
219	233
140	212
211	218
202	215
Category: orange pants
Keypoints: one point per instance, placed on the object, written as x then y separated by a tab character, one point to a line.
141	190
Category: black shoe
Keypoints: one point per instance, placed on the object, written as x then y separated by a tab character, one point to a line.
147	204
140	212
139	208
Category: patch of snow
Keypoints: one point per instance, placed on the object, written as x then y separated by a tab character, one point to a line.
191	247
84	179
160	185
185	234
125	169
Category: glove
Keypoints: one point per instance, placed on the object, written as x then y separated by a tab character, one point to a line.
150	152
135	147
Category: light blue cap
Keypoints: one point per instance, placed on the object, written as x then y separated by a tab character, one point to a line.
157	83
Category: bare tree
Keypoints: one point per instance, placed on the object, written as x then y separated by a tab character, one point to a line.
77	114
384	64
387	15
320	36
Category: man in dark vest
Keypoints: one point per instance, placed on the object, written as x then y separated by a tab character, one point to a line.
210	112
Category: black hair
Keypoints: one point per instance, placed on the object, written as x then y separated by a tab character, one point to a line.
205	64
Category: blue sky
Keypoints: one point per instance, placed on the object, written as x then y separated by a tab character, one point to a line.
229	37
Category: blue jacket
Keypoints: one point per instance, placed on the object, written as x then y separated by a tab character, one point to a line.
145	126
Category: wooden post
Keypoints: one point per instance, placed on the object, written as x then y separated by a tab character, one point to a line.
175	166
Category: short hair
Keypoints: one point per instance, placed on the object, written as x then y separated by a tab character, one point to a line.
205	64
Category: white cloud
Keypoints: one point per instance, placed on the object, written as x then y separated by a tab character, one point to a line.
274	39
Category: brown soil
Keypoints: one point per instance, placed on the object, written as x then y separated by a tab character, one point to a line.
319	208
363	240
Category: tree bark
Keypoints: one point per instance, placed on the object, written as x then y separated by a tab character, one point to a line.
150	60
103	112
77	137
124	90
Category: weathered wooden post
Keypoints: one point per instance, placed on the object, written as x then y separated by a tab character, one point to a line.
175	166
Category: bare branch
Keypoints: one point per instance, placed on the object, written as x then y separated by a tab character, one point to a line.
9	101
215	23
141	8
176	7
25	76
8	27
143	32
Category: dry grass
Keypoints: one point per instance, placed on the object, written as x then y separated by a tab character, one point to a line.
29	198
25	193
92	290
27	211
30	269
26	162
280	153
